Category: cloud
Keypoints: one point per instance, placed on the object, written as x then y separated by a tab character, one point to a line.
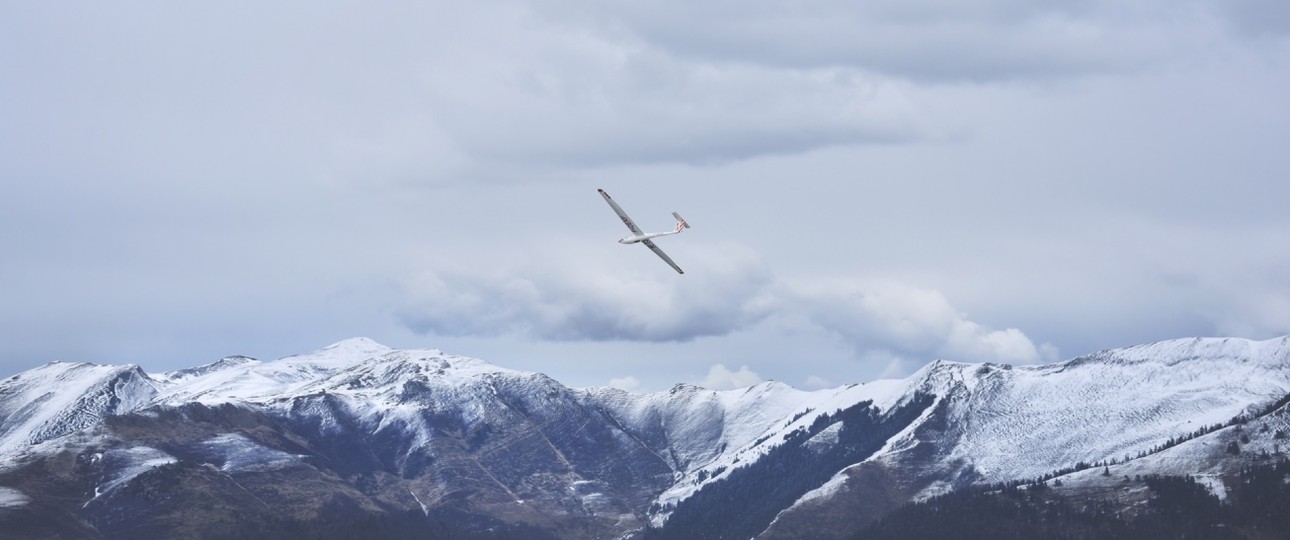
594	303
586	100
478	91
1258	18
894	366
1256	303
603	83
815	382
899	321
625	383
721	378
985	40
1258	316
726	291
592	84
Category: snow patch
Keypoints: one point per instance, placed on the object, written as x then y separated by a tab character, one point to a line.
1214	483
122	466
238	453
825	491
825	439
424	510
12	498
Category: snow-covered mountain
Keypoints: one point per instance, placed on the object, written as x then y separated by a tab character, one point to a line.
358	438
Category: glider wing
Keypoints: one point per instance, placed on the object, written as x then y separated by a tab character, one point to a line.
659	252
628	221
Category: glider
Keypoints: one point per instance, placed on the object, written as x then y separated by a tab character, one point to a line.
642	237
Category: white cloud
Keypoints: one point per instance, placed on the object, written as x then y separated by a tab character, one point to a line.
905	322
573	99
726	292
721	378
609	83
984	40
815	382
1264	315
1049	353
1259	18
1257	304
893	366
628	383
971	340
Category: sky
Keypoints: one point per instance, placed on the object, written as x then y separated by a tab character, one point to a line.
871	185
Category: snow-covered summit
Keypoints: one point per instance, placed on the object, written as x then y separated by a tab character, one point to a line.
1269	353
345	352
60	398
387	375
1010	422
205	369
246	379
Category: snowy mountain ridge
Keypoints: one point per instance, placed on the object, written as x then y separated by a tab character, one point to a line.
60	398
437	435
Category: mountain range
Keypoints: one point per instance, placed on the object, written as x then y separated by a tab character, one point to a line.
361	440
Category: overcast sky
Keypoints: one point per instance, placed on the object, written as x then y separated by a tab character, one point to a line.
871	185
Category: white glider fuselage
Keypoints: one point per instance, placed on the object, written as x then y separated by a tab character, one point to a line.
635	239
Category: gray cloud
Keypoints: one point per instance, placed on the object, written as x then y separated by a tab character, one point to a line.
558	302
909	322
720	377
723	294
926	40
1257	18
1242	296
592	102
422	94
338	91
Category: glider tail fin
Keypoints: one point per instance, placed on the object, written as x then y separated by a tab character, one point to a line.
680	222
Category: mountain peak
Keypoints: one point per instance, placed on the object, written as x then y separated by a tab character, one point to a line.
358	344
223	363
60	398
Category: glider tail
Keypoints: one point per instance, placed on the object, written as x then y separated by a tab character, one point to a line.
680	222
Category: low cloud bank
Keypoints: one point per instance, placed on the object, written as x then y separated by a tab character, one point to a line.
723	294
